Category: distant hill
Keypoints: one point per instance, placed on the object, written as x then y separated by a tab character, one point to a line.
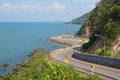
104	20
79	20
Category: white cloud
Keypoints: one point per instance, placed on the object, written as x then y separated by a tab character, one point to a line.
54	7
7	7
26	7
57	6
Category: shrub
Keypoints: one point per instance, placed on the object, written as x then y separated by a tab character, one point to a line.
40	68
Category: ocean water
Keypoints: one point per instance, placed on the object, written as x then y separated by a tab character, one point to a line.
17	40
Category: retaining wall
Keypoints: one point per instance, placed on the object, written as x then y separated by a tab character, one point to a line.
107	61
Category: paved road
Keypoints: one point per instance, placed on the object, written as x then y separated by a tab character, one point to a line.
105	72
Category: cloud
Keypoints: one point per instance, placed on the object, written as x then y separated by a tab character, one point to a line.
7	7
26	7
57	6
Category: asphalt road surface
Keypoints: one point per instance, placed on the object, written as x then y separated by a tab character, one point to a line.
107	73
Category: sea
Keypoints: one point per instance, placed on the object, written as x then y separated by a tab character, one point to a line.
19	39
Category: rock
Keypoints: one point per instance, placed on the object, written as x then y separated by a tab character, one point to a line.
116	44
6	65
16	70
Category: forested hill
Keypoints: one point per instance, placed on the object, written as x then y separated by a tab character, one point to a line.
104	20
81	19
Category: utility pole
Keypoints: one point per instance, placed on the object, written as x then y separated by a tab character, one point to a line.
104	41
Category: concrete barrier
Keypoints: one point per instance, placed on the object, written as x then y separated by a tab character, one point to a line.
106	61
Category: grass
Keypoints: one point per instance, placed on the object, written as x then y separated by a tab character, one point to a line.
41	68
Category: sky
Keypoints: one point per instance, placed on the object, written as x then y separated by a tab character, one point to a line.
44	10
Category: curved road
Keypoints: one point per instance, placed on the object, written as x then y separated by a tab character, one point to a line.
105	72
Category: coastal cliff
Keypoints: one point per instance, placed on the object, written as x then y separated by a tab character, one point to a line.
104	20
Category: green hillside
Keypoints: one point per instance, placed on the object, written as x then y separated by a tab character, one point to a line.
104	20
81	19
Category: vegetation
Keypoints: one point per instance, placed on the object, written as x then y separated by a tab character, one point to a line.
81	19
103	20
41	68
1	78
